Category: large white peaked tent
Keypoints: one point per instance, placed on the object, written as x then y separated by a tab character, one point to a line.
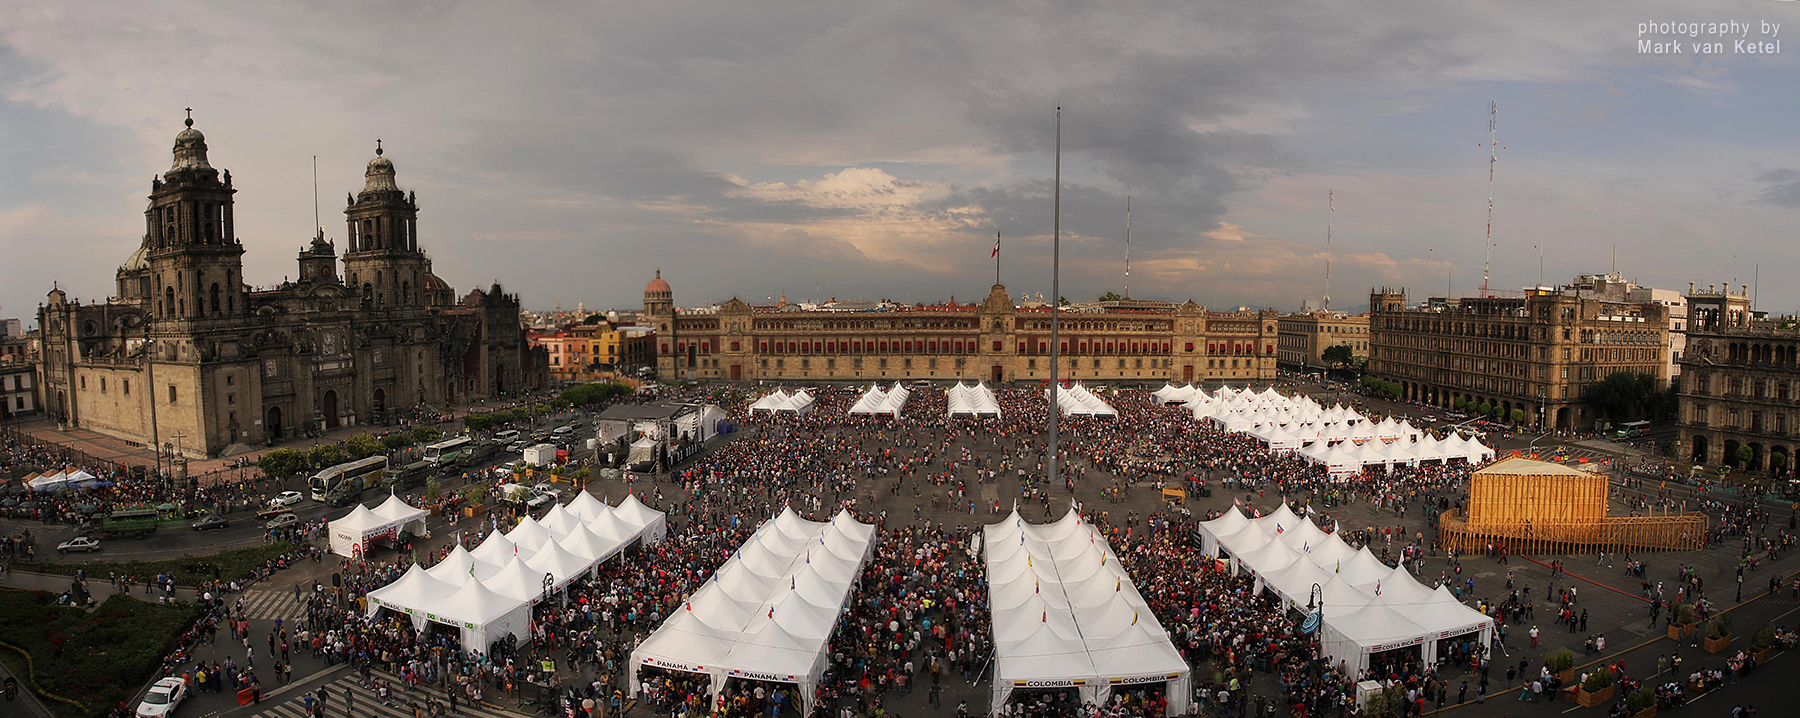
768	612
1067	615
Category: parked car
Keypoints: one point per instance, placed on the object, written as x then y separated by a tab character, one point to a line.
210	522
538	500
164	696
517	446
286	498
79	543
548	490
282	521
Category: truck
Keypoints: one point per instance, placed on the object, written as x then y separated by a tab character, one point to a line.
411	475
348	490
133	522
541	455
479	451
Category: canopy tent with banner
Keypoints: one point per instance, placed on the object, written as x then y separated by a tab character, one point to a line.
977	400
1067	615
748	622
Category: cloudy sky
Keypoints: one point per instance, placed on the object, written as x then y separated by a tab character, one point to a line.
872	150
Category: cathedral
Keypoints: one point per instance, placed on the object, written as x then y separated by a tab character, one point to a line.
190	353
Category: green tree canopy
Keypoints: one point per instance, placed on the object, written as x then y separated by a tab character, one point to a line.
282	463
323	455
426	434
593	393
361	445
1625	396
1110	297
1340	354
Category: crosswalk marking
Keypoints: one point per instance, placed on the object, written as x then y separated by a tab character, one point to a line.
270	605
368	706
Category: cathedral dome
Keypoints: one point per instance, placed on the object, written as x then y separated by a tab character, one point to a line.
379	177
657	284
190	149
138	260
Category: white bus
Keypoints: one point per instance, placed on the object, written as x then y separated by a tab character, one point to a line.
348	477
447	450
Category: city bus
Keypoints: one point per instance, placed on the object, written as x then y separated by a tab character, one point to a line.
446	451
354	473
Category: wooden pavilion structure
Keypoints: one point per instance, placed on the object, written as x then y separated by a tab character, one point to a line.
1539	507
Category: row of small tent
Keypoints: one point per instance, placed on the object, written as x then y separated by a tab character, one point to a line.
61	480
1368	606
1077	400
876	401
977	400
1349	458
798	402
1288	427
1171	394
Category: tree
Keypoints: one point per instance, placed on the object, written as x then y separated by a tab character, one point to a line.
594	318
1109	297
1518	416
1460	403
593	393
1484	408
396	441
1500	412
1742	456
361	445
1624	395
1777	462
1062	301
323	455
282	463
426	434
1339	355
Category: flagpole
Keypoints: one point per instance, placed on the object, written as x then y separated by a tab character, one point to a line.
996	257
1055	291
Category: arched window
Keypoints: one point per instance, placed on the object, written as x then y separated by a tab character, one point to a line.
215	298
169	300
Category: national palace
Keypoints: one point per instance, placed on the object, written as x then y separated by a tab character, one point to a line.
996	340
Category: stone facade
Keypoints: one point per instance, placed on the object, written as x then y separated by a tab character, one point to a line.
995	341
1740	384
1535	352
189	342
1305	337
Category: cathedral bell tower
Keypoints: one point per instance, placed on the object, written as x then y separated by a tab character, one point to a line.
194	258
383	263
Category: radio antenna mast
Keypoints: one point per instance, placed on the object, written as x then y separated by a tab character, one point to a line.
1493	157
1127	246
318	229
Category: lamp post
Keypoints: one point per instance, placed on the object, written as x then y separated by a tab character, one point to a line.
150	392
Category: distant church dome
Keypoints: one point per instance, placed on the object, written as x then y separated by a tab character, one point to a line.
657	284
138	260
380	175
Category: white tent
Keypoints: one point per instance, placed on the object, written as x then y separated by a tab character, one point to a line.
483	615
1231	522
876	401
49	482
350	535
415	588
770	403
1066	614
977	400
768	612
457	567
402	514
652	525
1076	400
496	549
1171	394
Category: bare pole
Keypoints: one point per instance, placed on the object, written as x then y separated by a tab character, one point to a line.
1330	210
1127	246
1493	156
318	229
1055	293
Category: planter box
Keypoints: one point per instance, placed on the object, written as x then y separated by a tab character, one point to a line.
1763	655
1680	631
1645	713
1600	698
1714	645
1566	677
1571	694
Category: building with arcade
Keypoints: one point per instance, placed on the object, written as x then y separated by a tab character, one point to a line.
995	340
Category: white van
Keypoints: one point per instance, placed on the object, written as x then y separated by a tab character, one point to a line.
506	436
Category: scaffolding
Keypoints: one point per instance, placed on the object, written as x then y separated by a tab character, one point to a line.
1537	507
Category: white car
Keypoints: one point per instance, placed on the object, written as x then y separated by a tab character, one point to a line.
163	697
286	498
548	490
79	543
